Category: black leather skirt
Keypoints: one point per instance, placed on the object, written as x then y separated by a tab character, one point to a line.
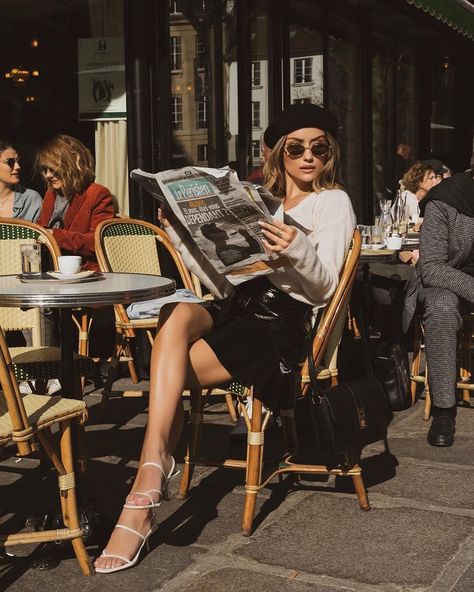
260	334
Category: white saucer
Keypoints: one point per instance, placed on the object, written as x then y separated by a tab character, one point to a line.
70	276
377	247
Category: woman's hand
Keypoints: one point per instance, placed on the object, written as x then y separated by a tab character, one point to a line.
166	217
278	236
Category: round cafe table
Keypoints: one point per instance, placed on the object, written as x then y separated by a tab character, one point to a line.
99	289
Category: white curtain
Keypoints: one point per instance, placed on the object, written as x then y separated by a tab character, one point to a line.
112	160
106	18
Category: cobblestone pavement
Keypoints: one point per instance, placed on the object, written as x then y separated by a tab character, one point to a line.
418	535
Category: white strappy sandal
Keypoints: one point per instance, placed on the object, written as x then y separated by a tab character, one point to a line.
163	493
128	562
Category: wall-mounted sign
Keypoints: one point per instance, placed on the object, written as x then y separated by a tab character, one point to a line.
101	74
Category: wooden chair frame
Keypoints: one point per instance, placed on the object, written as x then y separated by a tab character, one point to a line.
25	421
253	464
463	383
30	363
16	319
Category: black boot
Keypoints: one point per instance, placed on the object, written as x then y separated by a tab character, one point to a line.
443	426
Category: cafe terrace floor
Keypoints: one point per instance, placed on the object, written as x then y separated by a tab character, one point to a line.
418	536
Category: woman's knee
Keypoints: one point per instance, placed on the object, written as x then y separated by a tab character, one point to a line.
184	317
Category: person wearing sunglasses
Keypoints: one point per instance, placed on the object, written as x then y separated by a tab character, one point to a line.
254	331
15	201
74	204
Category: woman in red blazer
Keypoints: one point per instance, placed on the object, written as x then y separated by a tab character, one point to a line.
73	205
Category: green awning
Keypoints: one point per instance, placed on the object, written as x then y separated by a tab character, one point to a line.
449	12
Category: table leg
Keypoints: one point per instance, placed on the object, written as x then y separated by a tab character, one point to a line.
364	317
68	380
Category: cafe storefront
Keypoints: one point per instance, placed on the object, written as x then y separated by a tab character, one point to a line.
197	82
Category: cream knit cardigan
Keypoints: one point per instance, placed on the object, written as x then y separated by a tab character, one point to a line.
311	264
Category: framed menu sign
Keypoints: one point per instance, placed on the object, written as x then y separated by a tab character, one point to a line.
101	78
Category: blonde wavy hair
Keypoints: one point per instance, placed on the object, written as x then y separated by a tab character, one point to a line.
274	169
71	161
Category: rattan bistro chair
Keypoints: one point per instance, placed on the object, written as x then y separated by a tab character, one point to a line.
28	419
128	245
463	383
35	362
326	337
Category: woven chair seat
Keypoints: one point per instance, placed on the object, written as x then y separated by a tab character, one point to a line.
44	363
235	387
42	411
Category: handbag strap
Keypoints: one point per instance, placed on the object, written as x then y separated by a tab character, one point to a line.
311	366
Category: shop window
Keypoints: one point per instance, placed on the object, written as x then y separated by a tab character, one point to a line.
256	123
201	112
177	112
176	6
256	74
384	176
200	54
306	64
202	152
443	110
175	53
346	99
303	70
255	151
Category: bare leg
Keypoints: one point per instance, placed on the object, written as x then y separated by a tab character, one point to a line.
179	358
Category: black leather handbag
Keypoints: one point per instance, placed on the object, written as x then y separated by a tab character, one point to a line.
347	417
392	368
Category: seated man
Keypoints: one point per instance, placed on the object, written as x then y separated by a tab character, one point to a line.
443	283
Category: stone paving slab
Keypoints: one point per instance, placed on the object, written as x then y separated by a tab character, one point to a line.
327	535
206	517
438	485
159	566
417	447
465	582
233	580
411	423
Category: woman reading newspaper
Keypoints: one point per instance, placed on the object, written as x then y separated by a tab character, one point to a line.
255	332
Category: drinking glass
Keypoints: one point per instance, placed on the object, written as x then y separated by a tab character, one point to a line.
30	259
400	217
386	220
376	235
365	234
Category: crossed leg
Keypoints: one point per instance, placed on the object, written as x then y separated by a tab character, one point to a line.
179	359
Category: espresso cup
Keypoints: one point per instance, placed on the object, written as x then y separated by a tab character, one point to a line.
69	264
394	242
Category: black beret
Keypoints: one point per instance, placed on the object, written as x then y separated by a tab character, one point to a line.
299	116
438	167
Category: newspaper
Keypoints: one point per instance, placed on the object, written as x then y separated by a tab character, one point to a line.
219	211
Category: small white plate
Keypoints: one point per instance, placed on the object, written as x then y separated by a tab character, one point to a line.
70	276
377	247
